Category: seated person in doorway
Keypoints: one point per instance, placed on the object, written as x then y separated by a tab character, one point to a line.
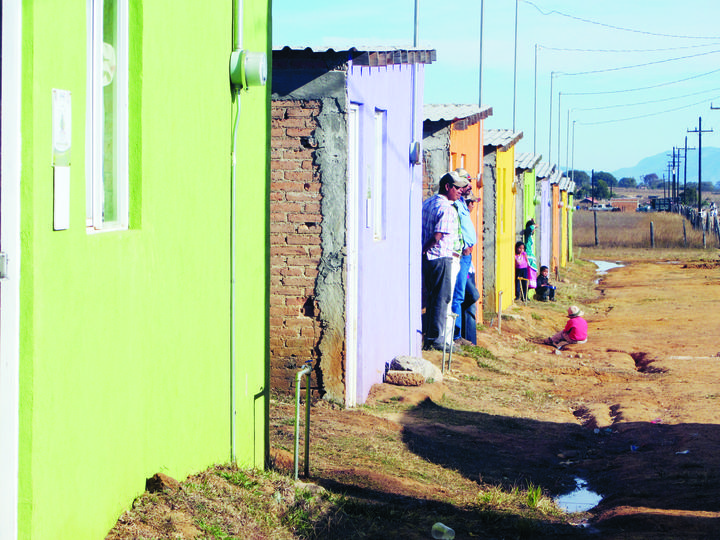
575	331
544	291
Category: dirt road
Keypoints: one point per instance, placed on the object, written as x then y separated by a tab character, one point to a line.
652	376
634	412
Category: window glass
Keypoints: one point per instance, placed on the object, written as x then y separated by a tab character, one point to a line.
106	206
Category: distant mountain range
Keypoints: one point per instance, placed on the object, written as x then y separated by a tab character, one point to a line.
658	164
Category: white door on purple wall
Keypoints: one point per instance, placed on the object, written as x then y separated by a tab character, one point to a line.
10	63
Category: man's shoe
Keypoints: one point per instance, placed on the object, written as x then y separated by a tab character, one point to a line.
462	342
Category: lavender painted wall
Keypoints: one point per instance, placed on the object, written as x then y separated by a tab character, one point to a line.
389	268
545	222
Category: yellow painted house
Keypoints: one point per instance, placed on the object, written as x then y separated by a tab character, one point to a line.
499	207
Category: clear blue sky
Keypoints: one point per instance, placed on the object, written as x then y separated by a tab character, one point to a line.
620	114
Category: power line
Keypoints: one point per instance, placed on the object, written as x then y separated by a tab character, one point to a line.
643	115
561	49
643	102
642	87
613	27
636	65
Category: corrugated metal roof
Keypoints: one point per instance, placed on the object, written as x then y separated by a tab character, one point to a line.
544	169
555	176
370	56
461	116
566	184
527	160
501	138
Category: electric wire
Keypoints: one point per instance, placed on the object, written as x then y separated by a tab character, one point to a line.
562	49
643	115
613	27
668	83
563	73
643	102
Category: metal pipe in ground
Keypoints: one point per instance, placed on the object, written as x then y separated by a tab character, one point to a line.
306	370
452	342
500	312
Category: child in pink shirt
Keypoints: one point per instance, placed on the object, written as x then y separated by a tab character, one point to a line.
575	331
522	267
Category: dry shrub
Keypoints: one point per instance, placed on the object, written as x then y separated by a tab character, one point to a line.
632	229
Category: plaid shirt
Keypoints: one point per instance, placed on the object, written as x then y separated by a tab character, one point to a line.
440	216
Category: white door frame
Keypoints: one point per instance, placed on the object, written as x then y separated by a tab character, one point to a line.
351	240
10	287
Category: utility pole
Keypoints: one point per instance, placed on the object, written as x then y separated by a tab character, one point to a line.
549	154
685	169
535	105
515	65
674	177
699	131
482	15
671	175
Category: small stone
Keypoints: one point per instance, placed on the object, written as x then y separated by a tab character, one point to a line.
418	365
557	351
404	378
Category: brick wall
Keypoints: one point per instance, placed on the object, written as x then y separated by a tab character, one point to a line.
295	224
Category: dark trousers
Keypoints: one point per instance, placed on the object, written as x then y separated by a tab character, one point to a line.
545	292
438	294
521	285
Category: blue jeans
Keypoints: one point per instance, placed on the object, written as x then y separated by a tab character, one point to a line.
459	292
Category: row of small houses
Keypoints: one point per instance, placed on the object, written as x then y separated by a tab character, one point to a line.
348	180
189	246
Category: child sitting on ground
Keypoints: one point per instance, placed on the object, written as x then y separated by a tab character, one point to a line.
575	331
544	290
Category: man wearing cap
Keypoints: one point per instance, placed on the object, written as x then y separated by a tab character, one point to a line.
575	331
469	237
441	250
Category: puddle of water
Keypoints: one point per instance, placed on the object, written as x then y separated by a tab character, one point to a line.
603	267
579	500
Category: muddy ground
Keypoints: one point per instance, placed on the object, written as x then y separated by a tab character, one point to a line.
634	411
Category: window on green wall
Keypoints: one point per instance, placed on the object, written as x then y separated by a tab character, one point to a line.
106	204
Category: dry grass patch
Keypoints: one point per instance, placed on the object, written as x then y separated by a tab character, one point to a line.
632	230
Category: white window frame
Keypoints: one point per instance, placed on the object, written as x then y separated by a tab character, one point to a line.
95	194
380	174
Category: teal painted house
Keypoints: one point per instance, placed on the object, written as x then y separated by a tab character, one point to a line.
134	232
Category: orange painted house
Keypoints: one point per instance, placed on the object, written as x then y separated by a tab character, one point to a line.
555	211
453	138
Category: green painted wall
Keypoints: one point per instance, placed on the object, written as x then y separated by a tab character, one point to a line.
125	336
